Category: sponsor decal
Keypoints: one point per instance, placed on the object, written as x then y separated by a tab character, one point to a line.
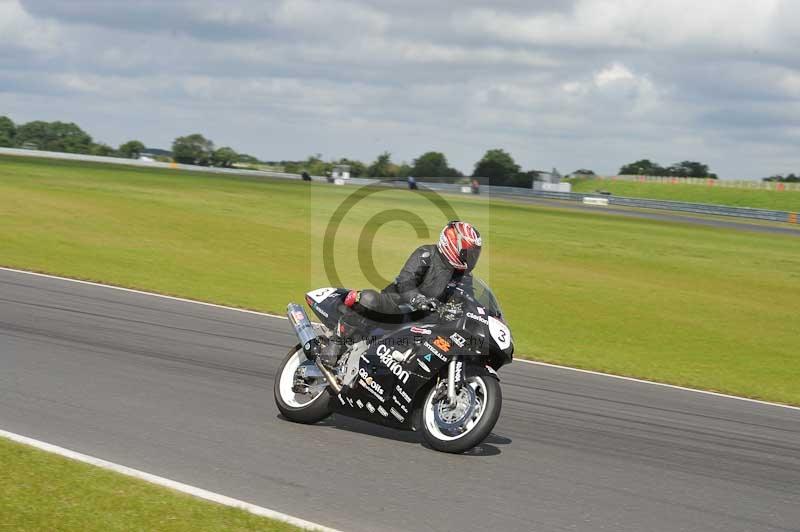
403	393
350	401
420	330
491	370
459	368
397	415
457	339
478	318
481	311
394	366
370	408
298	316
401	357
399	404
359	403
442	344
341	400
319	310
383	411
423	365
369	383
435	351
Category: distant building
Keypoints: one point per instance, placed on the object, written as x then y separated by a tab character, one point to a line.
341	171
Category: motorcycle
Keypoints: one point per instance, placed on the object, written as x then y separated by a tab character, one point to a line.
433	372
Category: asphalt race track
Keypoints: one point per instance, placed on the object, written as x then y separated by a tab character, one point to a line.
184	391
724	222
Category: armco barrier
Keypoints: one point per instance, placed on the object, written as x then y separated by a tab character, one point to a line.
499	192
680	206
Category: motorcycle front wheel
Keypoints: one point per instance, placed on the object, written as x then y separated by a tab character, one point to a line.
456	428
300	408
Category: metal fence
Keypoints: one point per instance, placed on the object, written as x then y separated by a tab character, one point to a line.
500	192
701	181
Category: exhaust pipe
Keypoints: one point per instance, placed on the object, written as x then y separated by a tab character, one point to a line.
310	342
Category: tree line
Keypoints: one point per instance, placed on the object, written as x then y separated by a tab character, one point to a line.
681	169
791	178
497	167
64	137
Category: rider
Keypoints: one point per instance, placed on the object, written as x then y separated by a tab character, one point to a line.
422	284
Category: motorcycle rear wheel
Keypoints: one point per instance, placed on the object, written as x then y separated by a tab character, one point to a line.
463	434
308	409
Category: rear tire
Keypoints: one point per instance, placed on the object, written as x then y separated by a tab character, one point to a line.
314	410
477	429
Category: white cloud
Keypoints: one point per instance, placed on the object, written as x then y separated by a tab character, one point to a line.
18	29
583	83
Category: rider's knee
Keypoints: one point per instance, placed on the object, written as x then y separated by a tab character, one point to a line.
370	299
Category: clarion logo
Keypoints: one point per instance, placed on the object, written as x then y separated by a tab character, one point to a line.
394	366
478	318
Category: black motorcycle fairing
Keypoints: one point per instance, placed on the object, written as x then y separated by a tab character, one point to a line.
324	302
403	360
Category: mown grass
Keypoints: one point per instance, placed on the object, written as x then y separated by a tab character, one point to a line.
40	491
787	200
685	304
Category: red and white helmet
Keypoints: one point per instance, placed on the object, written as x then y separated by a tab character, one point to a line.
460	244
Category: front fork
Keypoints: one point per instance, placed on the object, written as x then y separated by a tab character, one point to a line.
454	373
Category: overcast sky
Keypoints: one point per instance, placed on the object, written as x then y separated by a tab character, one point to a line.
567	84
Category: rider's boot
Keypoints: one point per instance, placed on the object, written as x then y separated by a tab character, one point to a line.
347	331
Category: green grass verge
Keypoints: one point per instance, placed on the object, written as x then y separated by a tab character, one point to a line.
42	491
787	200
685	304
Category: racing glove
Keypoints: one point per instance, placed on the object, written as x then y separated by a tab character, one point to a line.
422	302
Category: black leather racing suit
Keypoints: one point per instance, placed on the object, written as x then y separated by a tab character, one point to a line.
425	272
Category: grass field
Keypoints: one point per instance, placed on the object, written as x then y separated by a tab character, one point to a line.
685	304
787	200
41	491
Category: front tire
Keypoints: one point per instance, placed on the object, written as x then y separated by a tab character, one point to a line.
299	408
475	427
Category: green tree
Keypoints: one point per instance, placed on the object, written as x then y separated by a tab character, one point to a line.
131	149
690	169
643	167
497	167
583	172
404	170
192	149
791	178
224	157
382	166
54	136
101	149
249	159
7	132
433	165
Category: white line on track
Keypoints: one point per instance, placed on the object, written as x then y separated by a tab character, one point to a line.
534	362
167	483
